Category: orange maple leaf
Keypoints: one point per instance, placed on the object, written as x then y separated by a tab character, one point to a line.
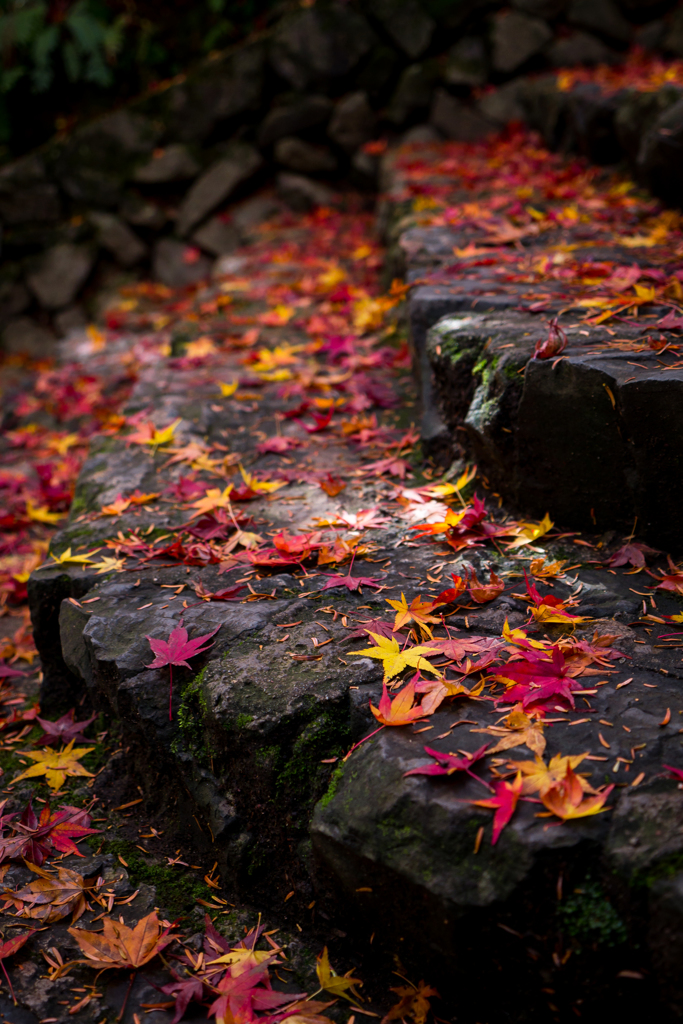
400	710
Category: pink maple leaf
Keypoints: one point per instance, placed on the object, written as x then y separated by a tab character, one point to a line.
175	651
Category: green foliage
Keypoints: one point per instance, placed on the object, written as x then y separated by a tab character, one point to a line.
50	49
190	717
176	892
590	918
333	786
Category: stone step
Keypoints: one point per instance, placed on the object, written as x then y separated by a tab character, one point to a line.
591	434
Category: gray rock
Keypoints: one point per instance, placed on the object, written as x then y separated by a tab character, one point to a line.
660	159
23	336
217	236
413	93
456	120
26	194
638	112
579	48
303	156
248	214
591	123
320	43
352	122
93	164
14	299
605	18
466	62
302	193
216	184
536	433
408	24
174	163
541	8
171	266
114	235
228	266
673	40
651	36
515	38
142	213
421	135
223	87
60	274
70	320
289	118
503	105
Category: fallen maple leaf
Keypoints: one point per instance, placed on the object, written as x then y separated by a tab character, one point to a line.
414	1002
482	593
395	659
279	445
417	612
503	803
147	433
63	730
55	765
540	777
227	594
332	982
49	898
351	582
117	945
518	730
632	553
400	710
9	948
175	651
554	344
447	764
566	798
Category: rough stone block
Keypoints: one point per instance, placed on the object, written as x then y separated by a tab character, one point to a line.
413	92
24	336
466	62
604	17
660	159
222	88
303	156
590	436
302	193
579	48
60	274
352	122
456	120
171	266
174	163
515	38
217	236
406	22
289	118
320	43
216	184
114	235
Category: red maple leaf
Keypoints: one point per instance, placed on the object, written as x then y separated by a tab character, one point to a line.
63	730
632	553
448	764
554	344
175	651
228	594
351	582
503	803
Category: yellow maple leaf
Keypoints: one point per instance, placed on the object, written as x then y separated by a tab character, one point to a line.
55	765
330	981
66	556
228	389
417	611
394	659
42	514
214	498
117	507
200	347
539	777
260	486
108	564
527	533
151	435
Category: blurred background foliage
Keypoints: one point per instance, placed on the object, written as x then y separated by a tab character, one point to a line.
61	60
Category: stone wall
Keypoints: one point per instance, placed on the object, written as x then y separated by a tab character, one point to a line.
144	188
